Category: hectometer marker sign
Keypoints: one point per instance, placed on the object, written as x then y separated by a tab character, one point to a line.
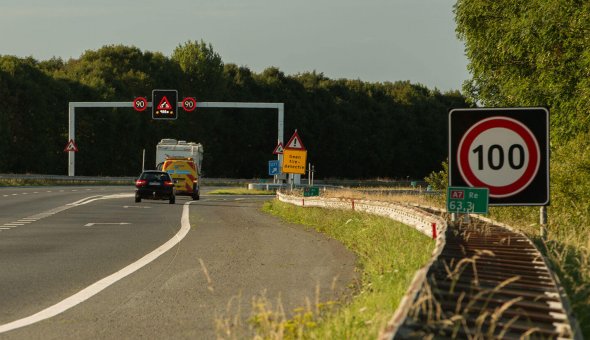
464	200
502	149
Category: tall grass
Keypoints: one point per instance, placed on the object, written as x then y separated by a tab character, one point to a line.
389	253
567	242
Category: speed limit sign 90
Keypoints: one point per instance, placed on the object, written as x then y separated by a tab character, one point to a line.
502	149
189	104
140	104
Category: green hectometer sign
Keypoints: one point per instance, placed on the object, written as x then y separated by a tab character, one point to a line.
311	191
467	200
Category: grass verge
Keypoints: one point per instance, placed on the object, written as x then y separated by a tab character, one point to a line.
389	253
567	245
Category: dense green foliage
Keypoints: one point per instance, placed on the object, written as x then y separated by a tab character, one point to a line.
536	52
530	53
351	128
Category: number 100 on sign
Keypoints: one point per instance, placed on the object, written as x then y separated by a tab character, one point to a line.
502	149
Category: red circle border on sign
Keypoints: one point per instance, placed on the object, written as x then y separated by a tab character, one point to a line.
192	100
140	109
515	126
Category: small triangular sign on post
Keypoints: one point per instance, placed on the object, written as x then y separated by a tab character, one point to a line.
164	104
71	146
279	149
295	142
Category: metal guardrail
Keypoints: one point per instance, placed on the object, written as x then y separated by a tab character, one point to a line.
484	280
66	178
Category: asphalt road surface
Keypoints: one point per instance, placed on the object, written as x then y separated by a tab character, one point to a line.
56	243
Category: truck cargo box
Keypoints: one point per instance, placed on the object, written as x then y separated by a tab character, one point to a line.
178	148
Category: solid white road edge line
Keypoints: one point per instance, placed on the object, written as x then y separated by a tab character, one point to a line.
98	286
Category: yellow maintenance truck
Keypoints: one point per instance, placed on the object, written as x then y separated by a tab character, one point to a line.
185	174
182	160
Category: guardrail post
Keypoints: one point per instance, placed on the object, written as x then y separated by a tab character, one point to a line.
352	204
303	202
434	230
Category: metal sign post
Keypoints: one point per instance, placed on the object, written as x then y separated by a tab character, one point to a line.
280	107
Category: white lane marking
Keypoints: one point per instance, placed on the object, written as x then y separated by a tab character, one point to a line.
83	199
3	228
106	223
14	194
66	207
102	284
13	224
36	192
136	206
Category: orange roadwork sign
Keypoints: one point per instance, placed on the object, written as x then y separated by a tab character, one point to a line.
294	161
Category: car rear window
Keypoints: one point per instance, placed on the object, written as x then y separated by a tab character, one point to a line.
155	176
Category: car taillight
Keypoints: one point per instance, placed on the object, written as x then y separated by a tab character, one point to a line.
168	183
140	183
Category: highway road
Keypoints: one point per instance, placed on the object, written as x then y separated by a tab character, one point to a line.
88	263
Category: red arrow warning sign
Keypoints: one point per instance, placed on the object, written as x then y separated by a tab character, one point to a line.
71	146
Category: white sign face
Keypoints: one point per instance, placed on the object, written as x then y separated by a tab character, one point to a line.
499	153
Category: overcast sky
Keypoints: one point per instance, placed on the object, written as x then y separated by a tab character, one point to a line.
371	40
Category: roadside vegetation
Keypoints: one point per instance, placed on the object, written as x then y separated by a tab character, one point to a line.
567	240
34	123
519	58
18	182
389	253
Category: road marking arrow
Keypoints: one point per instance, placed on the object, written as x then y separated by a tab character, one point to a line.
106	223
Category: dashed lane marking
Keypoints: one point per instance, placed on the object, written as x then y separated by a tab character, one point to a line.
30	219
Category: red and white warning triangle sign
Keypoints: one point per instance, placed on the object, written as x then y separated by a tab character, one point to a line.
164	104
279	149
295	142
71	146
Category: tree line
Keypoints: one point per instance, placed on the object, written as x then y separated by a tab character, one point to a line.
351	128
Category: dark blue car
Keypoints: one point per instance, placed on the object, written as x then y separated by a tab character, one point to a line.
155	185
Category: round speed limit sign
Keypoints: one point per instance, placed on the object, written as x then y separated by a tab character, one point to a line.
499	153
502	149
189	104
140	104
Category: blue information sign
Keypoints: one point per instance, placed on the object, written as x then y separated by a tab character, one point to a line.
274	167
